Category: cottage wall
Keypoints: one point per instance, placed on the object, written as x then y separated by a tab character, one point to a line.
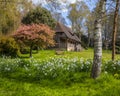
70	46
60	39
62	44
79	48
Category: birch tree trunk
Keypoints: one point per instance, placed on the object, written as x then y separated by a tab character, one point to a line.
96	67
115	28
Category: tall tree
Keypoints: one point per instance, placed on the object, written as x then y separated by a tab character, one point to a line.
10	14
96	67
78	15
115	28
39	15
56	7
90	28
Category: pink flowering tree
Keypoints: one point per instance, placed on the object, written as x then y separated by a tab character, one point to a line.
35	35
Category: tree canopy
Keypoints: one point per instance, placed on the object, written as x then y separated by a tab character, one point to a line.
11	13
39	15
35	35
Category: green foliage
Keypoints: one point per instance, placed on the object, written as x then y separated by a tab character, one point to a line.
104	86
112	67
118	46
9	47
88	54
8	17
10	14
49	69
84	41
39	15
53	68
78	13
32	77
24	49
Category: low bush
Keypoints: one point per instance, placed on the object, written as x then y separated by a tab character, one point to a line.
24	49
112	67
9	47
118	49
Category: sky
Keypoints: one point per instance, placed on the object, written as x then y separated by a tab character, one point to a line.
64	12
91	3
70	1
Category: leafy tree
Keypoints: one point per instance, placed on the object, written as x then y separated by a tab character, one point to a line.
11	12
78	16
56	7
35	35
8	14
90	28
39	15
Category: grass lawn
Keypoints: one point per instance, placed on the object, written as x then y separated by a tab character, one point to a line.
45	54
79	84
103	86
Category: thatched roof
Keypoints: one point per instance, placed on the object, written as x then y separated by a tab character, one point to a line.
62	28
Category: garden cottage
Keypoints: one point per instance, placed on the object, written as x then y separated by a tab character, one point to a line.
66	39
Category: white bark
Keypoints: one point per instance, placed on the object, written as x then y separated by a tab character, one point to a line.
97	60
96	68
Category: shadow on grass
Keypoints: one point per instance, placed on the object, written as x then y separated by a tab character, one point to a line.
27	55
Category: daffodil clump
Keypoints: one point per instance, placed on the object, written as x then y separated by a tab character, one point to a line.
52	68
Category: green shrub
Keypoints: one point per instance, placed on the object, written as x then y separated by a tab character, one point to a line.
24	49
112	67
118	46
9	47
117	49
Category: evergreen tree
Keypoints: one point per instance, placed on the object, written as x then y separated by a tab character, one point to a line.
37	16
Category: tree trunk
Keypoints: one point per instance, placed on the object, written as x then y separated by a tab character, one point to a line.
88	44
31	51
115	29
96	67
37	50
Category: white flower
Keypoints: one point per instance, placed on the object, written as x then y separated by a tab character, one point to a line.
106	72
114	68
29	74
45	73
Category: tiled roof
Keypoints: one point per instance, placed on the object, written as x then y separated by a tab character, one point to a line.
62	28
